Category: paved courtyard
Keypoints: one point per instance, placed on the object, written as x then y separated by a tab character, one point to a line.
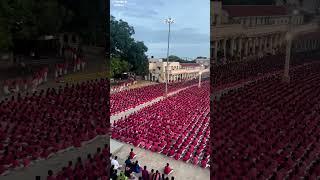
156	161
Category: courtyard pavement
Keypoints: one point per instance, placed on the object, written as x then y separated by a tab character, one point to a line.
157	161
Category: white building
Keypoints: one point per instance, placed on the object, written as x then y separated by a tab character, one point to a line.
152	59
177	71
249	31
203	61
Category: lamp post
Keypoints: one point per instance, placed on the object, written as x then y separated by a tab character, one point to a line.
200	73
289	38
168	21
286	75
199	79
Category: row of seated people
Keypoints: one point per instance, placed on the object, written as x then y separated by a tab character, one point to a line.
121	85
131	98
232	73
269	129
23	84
39	124
177	126
62	68
93	168
242	71
132	170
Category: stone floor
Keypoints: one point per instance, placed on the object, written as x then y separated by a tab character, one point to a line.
56	162
157	161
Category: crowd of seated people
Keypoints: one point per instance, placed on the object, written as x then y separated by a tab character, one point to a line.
176	126
122	85
245	70
95	167
133	170
131	98
269	129
21	84
39	124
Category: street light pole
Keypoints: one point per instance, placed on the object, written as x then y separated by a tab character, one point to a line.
289	39
199	79
286	75
169	21
200	74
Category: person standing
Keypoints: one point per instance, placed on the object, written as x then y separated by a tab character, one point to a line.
145	173
115	163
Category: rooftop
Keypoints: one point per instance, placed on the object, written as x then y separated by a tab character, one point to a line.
255	10
189	64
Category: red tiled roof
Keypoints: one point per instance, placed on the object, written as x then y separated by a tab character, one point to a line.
255	10
189	64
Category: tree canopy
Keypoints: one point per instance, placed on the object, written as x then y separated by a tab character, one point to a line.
118	66
174	58
31	19
123	46
28	20
88	20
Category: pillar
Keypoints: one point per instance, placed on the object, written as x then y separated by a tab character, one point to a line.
260	44
240	47
254	46
232	47
276	40
265	43
286	76
224	47
61	45
215	49
246	47
271	43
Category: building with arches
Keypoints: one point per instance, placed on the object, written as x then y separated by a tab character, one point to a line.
177	71
240	32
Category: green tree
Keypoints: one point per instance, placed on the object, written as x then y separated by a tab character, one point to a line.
28	20
174	58
123	46
120	37
88	20
118	66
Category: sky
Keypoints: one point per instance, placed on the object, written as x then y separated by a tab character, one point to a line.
190	34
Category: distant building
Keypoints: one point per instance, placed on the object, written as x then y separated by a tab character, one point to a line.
152	59
249	31
177	71
203	61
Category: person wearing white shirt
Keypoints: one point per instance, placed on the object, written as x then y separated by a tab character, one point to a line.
115	163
